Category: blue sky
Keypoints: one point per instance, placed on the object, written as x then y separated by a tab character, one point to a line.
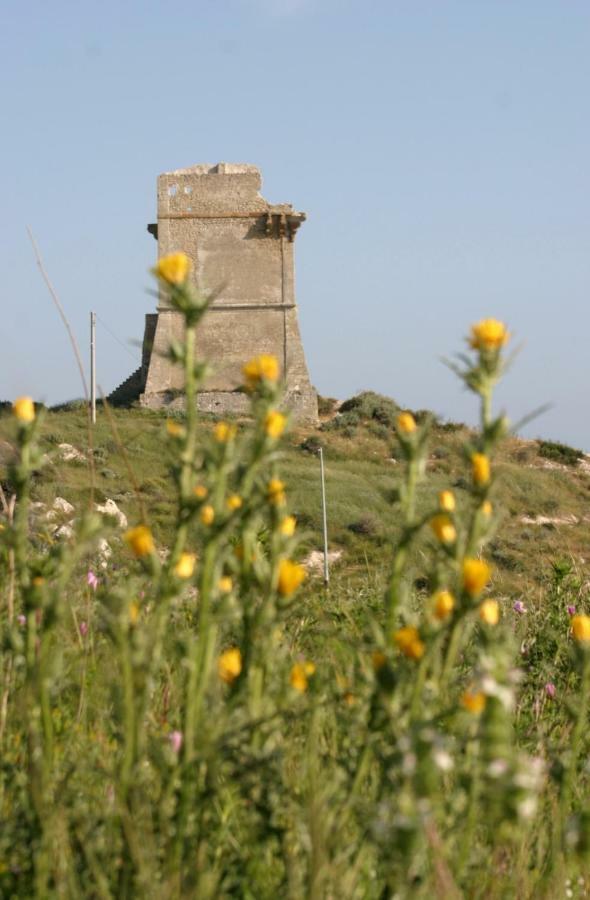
439	147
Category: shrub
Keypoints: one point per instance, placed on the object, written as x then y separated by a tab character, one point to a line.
561	453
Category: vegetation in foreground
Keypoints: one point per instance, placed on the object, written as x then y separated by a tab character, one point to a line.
191	718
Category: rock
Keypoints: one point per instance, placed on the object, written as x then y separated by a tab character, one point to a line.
314	561
69	453
59	509
569	519
104	552
64	531
110	508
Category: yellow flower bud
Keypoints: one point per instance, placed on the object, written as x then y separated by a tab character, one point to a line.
487	509
408	641
378	659
229	665
133	612
443	529
489	612
300	674
488	334
275	423
444	604
276	492
24	409
446	501
291	575
262	368
476	574
207	515
224	432
38	581
473	701
185	566
140	540
581	628
406	423
174	269
225	584
174	429
234	501
200	491
287	526
480	467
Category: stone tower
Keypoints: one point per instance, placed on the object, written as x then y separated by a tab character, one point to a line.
241	247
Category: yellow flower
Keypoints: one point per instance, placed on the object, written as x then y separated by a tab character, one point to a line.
443	529
262	368
378	659
473	701
140	540
207	515
234	501
173	269
300	674
200	491
476	574
24	409
486	509
581	628
38	581
224	432
185	566
406	423
444	604
489	612
274	423
288	525
276	492
291	574
480	467
174	429
446	501
489	334
408	641
229	665
133	612
225	584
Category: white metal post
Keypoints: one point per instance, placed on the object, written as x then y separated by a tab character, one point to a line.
93	366
325	518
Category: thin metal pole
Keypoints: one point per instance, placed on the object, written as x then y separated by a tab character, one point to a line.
93	366
325	518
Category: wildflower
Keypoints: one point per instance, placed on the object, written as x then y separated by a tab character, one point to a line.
291	574
476	574
287	526
224	432
300	674
488	334
185	566
489	612
262	368
378	659
276	492
24	409
91	580
234	501
175	739
406	423
229	665
408	641
571	610
487	509
473	701
446	501
207	515
38	581
550	690
200	491
83	628
133	612
225	584
274	423
140	540
174	269
174	429
22	620
443	529
444	604
480	467
581	628
519	607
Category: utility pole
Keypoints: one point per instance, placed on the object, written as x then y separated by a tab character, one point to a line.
325	518
93	367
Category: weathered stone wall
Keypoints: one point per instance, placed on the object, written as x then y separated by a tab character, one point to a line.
242	252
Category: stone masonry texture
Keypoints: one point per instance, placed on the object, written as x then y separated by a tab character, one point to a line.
241	248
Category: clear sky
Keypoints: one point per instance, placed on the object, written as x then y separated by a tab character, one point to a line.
441	150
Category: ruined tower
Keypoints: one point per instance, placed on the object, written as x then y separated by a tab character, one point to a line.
241	248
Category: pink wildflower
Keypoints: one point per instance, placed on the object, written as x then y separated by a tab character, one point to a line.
83	628
22	620
92	580
175	739
519	607
571	610
550	690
